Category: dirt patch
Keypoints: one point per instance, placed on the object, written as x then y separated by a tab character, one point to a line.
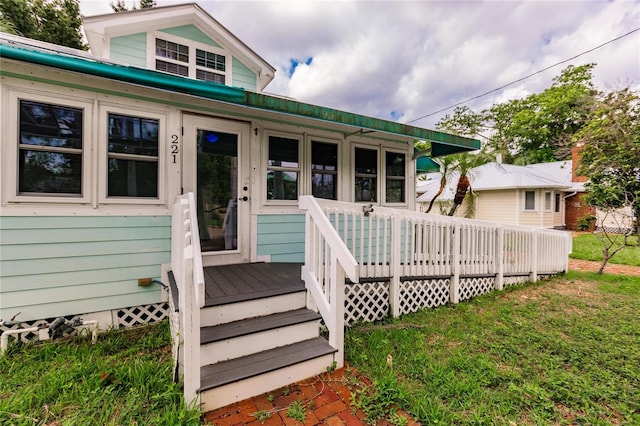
611	268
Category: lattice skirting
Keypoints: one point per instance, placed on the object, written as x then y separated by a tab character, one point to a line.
475	286
509	281
366	302
124	317
420	294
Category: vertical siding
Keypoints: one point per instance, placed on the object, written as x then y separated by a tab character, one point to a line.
281	236
190	32
130	49
243	76
53	266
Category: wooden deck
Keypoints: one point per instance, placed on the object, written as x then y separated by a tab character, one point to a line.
248	281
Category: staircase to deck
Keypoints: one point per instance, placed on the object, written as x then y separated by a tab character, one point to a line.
256	333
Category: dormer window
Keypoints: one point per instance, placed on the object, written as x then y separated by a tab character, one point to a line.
172	54
180	59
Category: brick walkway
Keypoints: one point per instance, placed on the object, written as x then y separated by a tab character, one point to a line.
611	268
327	399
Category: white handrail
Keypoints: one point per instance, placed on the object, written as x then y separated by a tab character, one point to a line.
186	264
328	262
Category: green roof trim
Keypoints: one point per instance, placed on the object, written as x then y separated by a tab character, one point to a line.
444	143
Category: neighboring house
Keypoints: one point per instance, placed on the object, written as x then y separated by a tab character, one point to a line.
533	195
96	147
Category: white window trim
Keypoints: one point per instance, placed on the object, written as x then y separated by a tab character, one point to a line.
535	200
307	164
352	166
548	208
11	135
103	154
265	168
193	45
384	174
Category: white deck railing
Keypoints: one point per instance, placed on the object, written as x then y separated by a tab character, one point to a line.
397	245
186	264
327	263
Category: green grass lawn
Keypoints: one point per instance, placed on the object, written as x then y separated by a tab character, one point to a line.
586	246
564	351
124	379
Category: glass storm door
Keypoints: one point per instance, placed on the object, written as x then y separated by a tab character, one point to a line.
214	169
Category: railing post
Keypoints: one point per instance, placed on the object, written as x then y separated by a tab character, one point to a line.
394	285
336	297
533	276
499	258
189	310
454	286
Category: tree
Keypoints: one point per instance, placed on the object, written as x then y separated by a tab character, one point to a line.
537	128
611	152
53	21
120	6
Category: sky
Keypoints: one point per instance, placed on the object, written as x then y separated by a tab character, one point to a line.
400	60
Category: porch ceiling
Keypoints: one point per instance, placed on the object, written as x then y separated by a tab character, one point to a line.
22	50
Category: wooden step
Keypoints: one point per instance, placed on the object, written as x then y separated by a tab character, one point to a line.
256	325
240	338
231	312
234	370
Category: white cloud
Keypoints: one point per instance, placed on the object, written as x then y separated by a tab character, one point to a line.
411	58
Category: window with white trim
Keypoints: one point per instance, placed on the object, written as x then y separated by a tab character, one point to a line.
366	174
395	177
530	200
557	203
132	156
283	168
188	61
547	201
50	149
324	170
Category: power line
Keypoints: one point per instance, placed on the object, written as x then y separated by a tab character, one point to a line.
525	77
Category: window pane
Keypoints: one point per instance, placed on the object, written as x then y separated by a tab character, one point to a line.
547	201
529	200
209	76
395	191
557	204
283	152
366	189
129	178
172	68
133	135
50	125
210	60
324	186
49	172
282	185
395	164
171	50
324	156
366	161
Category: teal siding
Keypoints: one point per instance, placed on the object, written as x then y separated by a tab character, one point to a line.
191	32
243	76
53	266
130	49
281	236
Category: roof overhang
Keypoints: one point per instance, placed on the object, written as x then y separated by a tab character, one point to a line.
441	143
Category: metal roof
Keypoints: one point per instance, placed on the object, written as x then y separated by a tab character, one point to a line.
21	49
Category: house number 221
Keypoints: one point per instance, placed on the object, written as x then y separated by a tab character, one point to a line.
174	147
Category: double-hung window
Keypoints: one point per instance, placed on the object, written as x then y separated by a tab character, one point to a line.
395	163
283	168
50	149
324	170
547	201
530	200
210	66
172	57
366	174
132	157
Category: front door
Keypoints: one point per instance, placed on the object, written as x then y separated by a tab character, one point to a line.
216	169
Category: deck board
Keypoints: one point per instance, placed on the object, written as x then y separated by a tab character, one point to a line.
248	281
